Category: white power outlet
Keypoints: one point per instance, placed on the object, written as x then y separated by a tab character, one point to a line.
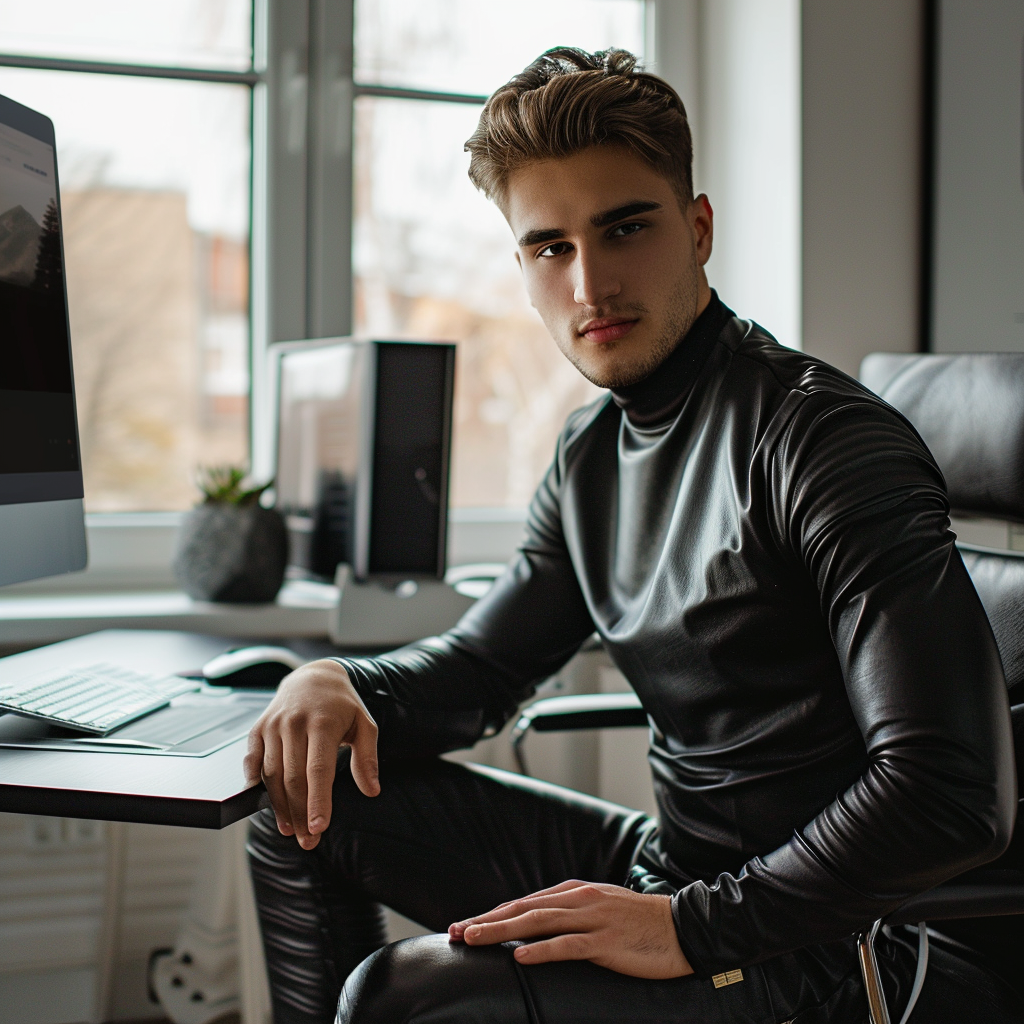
42	833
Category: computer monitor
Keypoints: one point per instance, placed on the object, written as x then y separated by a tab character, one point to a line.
42	522
364	438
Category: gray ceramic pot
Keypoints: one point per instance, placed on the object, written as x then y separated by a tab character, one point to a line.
231	553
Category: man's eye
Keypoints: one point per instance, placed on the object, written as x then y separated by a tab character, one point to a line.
621	230
555	249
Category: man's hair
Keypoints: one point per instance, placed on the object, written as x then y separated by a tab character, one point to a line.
568	100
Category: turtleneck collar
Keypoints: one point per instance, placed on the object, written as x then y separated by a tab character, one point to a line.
662	393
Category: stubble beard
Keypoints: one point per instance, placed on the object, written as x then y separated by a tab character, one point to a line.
681	314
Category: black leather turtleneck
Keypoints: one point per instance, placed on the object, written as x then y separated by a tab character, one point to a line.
773	572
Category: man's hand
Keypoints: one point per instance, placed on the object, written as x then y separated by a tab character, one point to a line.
614	927
294	747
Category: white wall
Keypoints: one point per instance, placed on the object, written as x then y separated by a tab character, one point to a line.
978	283
861	68
749	162
736	64
807	137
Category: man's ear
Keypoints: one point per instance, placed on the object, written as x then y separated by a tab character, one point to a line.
702	223
519	263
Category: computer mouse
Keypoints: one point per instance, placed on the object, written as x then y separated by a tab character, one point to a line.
259	668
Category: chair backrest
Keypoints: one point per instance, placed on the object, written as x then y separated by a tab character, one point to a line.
969	409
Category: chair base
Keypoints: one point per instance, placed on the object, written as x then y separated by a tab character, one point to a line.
878	1011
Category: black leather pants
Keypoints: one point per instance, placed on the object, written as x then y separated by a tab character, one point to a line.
445	841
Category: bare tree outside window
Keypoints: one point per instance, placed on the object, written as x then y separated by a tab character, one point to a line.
155	202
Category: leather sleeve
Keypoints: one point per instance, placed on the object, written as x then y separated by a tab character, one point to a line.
860	511
446	692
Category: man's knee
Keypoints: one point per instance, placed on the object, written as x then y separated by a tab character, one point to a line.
429	978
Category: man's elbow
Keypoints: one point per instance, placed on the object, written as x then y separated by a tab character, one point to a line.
997	840
990	831
1004	819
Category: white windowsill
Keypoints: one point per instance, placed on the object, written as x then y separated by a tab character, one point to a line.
301	610
130	584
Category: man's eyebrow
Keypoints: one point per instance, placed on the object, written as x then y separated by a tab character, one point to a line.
599	220
602	220
540	235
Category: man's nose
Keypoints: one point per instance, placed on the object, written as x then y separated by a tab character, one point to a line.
595	280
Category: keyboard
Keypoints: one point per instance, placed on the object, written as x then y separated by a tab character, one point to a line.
93	698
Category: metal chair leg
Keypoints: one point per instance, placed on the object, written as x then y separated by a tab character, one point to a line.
878	1012
517	735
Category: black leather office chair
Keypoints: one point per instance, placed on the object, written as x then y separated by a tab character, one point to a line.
970	411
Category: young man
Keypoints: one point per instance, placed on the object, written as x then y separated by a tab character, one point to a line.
763	548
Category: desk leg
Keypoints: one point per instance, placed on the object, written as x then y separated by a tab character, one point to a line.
217	963
197	982
110	928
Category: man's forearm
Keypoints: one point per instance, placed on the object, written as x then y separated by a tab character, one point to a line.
881	842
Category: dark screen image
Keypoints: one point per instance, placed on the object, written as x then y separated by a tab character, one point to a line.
37	417
410	459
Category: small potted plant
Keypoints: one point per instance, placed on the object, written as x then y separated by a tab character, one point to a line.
230	548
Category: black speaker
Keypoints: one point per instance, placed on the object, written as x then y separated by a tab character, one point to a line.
363	451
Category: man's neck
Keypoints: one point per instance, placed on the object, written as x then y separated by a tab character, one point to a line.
657	398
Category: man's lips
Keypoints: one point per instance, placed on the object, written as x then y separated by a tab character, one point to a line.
609	328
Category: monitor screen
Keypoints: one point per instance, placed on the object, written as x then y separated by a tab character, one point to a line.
42	528
39	458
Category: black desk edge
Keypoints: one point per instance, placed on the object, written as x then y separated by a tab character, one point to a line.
148	810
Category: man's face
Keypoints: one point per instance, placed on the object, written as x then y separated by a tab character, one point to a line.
611	262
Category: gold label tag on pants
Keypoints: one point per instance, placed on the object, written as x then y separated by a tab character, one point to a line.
728	978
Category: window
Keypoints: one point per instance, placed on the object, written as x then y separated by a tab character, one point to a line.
154	173
330	133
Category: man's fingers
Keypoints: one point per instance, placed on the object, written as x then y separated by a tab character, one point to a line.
547	921
295	746
572	883
272	770
321	764
557	896
561	947
296	793
362	738
253	761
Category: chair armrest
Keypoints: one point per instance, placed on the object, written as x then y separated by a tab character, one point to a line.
582	711
995	893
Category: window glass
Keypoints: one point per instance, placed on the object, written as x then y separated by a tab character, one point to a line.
435	260
154	182
473	46
185	33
